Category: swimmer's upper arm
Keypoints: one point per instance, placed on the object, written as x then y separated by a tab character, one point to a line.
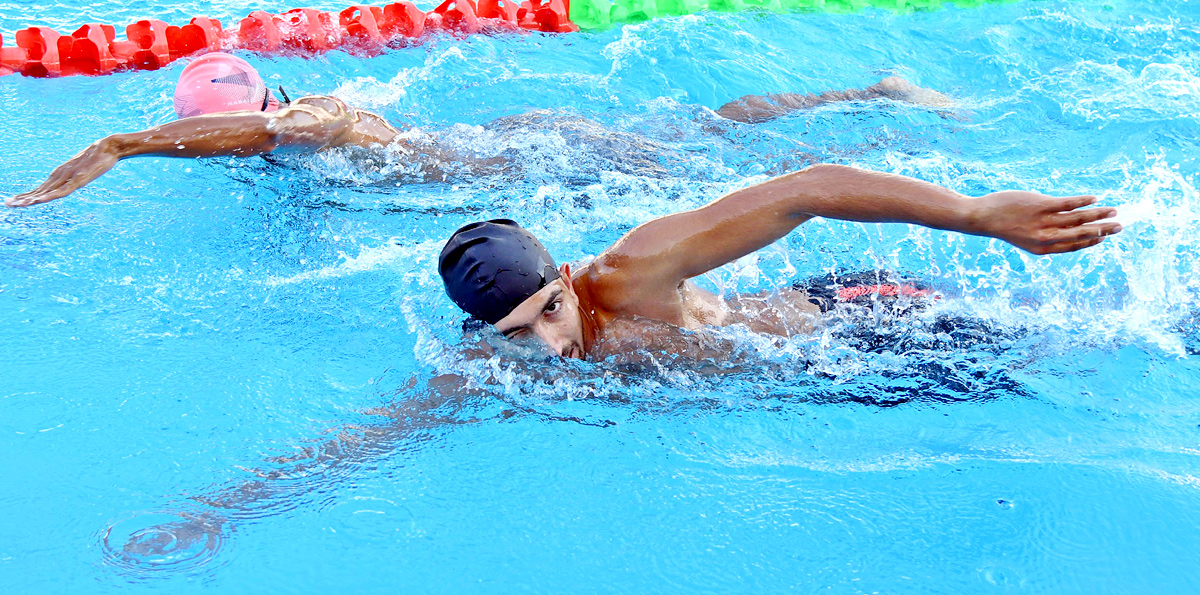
315	124
676	247
210	135
684	245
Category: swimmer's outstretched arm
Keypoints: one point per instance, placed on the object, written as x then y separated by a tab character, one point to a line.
317	123
760	108
660	254
406	424
403	425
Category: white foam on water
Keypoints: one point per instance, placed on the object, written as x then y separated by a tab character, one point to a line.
1109	92
388	256
371	93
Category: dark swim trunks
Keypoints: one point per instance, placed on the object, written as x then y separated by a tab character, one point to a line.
863	289
857	294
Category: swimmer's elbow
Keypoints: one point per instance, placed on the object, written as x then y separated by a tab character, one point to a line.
821	180
811	192
119	146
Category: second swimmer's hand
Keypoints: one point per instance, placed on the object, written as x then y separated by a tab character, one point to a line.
70	176
1042	224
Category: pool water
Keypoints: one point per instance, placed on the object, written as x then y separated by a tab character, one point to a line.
217	374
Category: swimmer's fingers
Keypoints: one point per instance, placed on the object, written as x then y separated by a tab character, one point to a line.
1069	246
69	177
20	200
1070	203
1076	218
33	197
44	193
1074	238
41	195
1085	232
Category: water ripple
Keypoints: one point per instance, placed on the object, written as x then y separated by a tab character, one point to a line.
152	545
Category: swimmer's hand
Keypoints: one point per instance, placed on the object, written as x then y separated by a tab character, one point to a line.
76	173
167	539
1041	224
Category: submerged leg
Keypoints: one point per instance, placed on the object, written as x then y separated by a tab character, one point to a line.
760	108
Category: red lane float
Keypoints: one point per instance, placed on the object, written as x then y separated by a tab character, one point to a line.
41	51
454	15
309	30
403	20
151	44
504	11
200	34
11	59
151	48
550	17
362	25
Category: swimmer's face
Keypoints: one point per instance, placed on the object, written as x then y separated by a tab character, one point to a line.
551	315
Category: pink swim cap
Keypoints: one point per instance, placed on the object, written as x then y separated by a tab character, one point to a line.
219	82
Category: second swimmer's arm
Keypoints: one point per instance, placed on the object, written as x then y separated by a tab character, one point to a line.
760	108
241	134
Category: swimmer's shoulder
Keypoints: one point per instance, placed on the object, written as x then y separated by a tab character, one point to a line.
324	103
369	128
609	287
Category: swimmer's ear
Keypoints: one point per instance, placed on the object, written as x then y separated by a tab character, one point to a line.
565	270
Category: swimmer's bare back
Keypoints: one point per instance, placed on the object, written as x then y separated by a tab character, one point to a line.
308	124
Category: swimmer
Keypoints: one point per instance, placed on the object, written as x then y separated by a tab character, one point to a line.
637	294
225	109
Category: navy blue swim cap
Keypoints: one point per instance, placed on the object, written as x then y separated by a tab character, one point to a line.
490	267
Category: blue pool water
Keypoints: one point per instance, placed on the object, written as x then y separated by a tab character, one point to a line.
214	374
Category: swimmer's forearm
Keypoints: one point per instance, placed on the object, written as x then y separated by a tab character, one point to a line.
204	136
760	108
201	136
1036	223
852	194
753	109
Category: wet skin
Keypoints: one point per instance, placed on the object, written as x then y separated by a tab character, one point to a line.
642	281
317	123
553	317
644	277
308	125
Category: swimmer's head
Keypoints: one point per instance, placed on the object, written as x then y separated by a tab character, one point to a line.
499	273
220	82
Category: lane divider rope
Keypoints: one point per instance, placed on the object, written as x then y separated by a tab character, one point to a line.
151	44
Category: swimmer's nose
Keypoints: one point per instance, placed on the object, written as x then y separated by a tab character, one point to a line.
558	345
